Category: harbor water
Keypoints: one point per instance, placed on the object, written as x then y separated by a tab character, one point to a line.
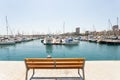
35	49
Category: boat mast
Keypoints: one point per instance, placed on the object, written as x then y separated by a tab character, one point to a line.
63	27
109	27
94	31
118	27
7	25
117	21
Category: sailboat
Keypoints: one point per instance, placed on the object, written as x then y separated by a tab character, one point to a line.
6	40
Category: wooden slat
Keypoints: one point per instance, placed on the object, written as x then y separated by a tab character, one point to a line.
38	59
57	59
40	66
39	63
69	63
70	59
57	67
69	66
53	63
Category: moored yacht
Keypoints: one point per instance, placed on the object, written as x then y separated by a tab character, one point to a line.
48	40
70	41
7	42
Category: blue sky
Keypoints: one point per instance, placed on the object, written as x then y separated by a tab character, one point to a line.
48	16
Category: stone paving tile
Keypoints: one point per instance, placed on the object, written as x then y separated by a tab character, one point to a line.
11	70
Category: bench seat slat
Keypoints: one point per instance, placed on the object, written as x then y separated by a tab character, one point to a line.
40	66
40	63
57	59
57	66
70	59
38	59
69	66
66	62
47	63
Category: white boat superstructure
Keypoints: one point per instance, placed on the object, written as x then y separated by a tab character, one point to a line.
70	41
7	42
57	41
48	40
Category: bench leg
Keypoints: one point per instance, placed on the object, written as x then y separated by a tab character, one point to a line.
78	72
32	74
26	74
83	74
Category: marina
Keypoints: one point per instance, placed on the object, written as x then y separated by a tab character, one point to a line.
101	40
17	39
59	40
36	49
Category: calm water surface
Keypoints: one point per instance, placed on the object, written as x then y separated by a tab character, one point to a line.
35	49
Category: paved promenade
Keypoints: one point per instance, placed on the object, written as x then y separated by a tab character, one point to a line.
94	70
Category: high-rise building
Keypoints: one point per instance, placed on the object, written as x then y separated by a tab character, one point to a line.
78	30
115	28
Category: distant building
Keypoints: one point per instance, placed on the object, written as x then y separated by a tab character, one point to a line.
77	30
87	32
115	28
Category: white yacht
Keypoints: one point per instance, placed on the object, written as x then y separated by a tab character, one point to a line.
70	41
7	42
48	40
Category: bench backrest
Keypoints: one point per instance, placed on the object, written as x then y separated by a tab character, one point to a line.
54	63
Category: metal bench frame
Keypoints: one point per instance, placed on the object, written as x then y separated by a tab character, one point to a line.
55	67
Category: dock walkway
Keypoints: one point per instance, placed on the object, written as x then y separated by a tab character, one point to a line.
94	70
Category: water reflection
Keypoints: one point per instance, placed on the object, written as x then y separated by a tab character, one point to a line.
85	49
70	46
49	50
5	51
6	46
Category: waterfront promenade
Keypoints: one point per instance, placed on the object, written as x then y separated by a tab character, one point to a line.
94	70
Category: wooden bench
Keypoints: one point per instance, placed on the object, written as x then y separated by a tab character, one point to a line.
55	63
